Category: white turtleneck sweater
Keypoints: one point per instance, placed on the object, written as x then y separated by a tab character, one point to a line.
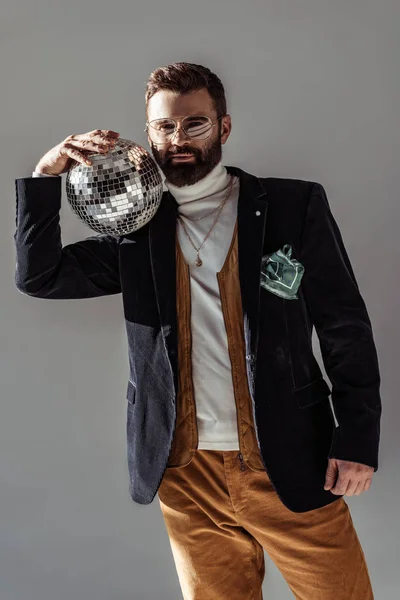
211	365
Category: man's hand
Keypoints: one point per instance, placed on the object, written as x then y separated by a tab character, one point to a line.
347	477
60	158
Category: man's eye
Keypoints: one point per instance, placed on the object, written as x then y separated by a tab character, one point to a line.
164	126
198	122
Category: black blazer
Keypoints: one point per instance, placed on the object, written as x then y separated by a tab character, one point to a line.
294	422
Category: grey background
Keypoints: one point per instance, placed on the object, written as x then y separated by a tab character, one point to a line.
313	90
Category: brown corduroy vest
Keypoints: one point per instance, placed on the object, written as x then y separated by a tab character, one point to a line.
185	439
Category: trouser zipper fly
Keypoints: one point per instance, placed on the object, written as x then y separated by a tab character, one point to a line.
242	465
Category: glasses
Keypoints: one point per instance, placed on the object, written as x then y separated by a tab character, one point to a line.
161	131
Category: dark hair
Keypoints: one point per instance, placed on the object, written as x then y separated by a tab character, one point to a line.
183	77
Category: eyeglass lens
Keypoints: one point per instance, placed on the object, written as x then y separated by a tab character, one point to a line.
195	127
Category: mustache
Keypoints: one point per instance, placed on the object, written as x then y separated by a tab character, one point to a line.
170	154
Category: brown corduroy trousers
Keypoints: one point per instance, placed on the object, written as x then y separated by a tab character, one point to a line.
220	519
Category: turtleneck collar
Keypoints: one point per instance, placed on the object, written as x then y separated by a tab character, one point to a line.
212	184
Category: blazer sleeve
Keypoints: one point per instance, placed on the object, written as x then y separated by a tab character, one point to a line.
345	335
44	269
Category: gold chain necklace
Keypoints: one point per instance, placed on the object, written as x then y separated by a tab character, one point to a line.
198	262
207	214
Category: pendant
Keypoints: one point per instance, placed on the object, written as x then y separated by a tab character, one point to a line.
198	262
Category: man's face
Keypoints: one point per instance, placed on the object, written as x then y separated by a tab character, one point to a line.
206	154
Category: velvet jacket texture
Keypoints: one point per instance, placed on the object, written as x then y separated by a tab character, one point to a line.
283	373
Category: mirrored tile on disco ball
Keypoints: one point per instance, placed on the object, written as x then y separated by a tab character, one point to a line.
118	193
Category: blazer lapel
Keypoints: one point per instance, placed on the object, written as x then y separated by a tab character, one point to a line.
252	211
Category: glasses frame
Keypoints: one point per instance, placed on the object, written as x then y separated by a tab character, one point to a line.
149	124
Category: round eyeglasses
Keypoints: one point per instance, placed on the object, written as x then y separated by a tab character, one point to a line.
161	131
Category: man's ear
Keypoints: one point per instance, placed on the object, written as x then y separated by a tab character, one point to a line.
226	128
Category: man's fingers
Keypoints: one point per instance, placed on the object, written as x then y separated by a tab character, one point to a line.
360	488
89	146
368	482
110	133
330	477
71	152
352	486
341	485
103	133
351	477
97	136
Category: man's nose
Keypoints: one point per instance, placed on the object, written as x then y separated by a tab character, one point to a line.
179	135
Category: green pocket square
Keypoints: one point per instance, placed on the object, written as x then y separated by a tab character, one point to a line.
281	274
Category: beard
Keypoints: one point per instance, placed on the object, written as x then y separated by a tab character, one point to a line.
188	173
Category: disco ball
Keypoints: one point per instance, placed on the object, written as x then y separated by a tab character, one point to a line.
119	192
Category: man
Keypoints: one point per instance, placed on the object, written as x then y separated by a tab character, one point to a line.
228	413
